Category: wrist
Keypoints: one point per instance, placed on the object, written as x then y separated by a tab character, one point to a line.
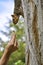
7	51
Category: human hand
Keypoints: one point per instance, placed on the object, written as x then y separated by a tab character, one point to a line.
12	45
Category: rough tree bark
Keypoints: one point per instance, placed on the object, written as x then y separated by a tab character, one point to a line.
31	12
42	34
33	23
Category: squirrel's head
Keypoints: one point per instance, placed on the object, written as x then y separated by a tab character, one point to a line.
15	18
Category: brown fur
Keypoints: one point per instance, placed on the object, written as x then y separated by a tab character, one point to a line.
18	10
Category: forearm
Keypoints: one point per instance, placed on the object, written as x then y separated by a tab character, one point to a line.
10	48
5	57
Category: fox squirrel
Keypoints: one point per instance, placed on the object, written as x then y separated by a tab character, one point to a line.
18	10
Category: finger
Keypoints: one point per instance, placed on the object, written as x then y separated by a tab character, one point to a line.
15	43
13	38
13	35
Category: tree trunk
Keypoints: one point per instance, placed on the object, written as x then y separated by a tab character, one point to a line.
33	29
33	16
42	34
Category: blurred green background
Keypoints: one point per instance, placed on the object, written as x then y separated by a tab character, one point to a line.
18	57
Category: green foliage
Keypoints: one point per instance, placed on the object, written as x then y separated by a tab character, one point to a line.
18	57
1	54
19	63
